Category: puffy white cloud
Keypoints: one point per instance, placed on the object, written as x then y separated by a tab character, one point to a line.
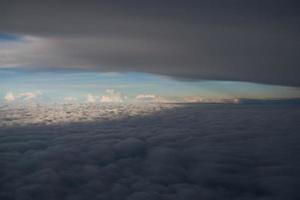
9	97
25	96
150	98
70	99
112	96
91	98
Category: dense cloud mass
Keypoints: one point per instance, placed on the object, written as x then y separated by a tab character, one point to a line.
193	152
255	40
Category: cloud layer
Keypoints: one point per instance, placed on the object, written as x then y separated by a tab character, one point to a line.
21	97
195	152
254	41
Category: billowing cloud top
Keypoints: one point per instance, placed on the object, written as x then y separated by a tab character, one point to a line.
254	40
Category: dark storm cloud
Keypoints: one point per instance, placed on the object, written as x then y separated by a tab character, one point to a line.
221	40
197	152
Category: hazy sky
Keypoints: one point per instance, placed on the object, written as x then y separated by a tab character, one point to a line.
201	48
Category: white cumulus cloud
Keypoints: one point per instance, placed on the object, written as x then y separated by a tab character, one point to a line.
112	96
24	96
91	98
149	98
70	99
9	97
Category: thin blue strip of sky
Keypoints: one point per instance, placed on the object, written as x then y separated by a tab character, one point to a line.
8	37
78	84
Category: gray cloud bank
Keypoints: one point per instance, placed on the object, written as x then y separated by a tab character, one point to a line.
254	40
195	152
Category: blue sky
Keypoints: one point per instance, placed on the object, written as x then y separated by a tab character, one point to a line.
56	85
8	37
